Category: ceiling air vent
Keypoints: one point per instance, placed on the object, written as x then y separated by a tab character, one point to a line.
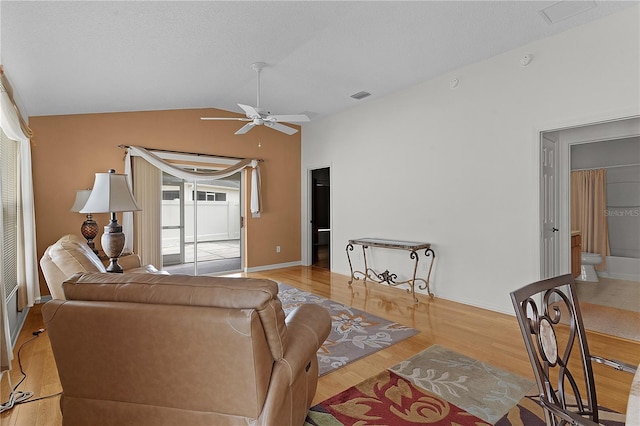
565	9
360	95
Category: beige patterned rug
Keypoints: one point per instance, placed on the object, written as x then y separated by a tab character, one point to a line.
481	389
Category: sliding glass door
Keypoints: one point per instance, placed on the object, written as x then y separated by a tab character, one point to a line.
201	225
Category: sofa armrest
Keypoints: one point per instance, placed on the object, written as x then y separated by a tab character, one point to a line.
131	264
308	326
129	261
146	269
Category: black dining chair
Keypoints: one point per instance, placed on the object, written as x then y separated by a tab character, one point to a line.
549	316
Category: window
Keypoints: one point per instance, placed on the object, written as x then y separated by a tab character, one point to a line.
10	210
210	196
170	194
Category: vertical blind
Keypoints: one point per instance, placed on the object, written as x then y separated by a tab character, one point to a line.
10	211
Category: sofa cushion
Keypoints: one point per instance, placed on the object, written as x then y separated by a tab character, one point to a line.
71	253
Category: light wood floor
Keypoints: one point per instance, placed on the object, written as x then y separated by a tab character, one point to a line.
488	336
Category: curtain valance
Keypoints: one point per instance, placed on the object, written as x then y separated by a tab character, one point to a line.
198	175
11	120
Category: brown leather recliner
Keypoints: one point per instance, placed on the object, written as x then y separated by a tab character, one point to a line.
71	254
144	349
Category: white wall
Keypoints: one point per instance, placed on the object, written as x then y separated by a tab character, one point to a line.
459	167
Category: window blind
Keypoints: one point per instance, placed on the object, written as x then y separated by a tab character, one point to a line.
9	218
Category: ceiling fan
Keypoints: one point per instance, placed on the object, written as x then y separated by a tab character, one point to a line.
257	116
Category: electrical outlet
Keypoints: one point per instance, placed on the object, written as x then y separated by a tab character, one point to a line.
277	249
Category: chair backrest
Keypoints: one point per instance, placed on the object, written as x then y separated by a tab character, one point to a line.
67	256
551	324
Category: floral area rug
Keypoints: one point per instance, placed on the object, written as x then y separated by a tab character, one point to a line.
354	333
437	386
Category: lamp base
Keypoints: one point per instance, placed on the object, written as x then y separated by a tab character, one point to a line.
112	245
89	231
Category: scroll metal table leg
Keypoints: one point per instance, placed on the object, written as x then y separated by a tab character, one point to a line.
429	253
412	283
348	249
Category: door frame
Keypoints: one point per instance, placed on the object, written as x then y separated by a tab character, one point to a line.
563	182
206	159
307	250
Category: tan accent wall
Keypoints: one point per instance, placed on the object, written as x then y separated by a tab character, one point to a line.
69	149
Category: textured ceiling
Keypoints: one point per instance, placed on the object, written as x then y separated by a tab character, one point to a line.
92	56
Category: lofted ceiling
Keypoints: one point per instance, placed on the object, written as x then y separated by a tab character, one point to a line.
72	57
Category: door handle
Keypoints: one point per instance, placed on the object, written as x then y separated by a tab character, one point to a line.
554	229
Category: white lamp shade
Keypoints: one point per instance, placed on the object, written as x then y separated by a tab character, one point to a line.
82	195
110	193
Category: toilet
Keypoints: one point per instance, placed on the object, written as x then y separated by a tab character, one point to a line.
587	270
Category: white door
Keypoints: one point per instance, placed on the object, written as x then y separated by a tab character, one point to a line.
549	207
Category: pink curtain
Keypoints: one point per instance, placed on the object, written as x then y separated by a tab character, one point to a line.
588	211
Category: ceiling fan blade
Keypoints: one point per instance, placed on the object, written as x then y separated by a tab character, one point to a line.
291	118
250	111
281	127
226	118
244	129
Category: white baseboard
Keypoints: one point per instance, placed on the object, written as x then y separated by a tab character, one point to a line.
618	276
274	266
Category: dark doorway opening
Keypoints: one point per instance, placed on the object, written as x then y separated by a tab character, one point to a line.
320	218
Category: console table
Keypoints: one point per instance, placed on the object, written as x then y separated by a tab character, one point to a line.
386	276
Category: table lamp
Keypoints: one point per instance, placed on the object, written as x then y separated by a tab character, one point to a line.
89	228
111	194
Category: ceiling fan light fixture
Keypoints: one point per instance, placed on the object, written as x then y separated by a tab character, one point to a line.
360	95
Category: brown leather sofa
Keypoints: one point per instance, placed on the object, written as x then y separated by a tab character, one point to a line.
144	349
71	254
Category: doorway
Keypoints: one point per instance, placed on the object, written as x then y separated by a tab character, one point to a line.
597	314
556	195
321	218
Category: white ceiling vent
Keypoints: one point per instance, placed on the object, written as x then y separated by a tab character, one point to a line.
360	95
565	9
